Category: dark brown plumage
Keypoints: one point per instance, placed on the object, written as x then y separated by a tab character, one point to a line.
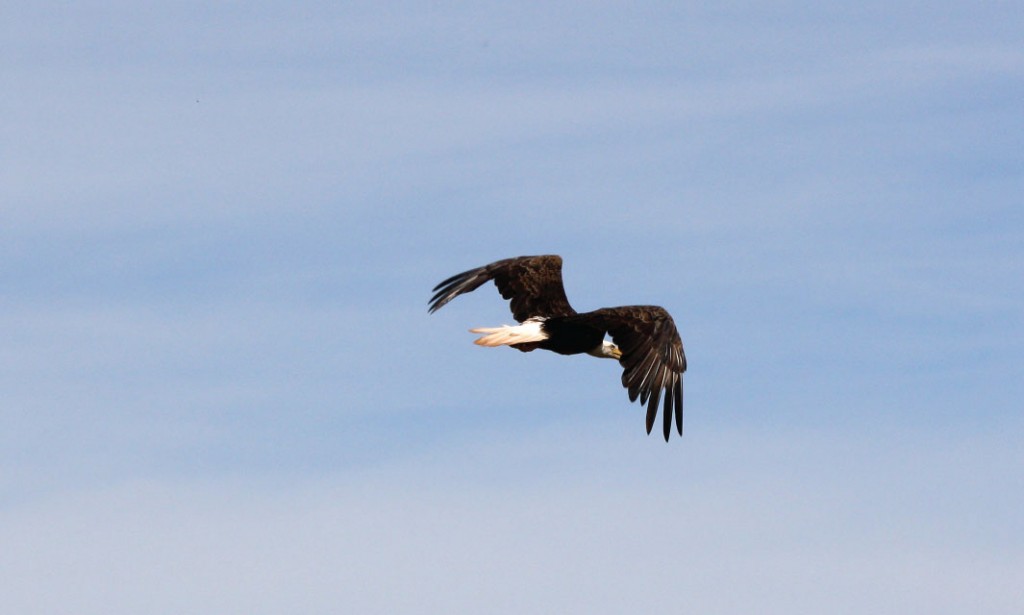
646	342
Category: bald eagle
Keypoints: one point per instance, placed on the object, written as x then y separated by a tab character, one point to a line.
644	338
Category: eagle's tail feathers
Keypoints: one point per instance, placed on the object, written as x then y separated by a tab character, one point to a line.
506	335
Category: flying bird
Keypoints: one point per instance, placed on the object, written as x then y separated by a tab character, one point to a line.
644	338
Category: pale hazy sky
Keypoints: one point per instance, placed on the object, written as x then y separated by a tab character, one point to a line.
222	393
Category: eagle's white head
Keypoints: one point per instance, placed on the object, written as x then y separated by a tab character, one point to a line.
606	350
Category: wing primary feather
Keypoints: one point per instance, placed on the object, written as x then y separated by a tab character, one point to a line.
667	411
644	368
634	392
678	393
641	377
456	285
652	408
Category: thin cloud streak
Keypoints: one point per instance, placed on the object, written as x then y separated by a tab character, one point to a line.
594	533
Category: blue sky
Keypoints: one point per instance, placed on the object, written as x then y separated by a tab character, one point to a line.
220	225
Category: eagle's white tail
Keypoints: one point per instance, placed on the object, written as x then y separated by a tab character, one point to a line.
528	331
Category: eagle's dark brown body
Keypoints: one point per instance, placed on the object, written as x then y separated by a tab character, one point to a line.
568	335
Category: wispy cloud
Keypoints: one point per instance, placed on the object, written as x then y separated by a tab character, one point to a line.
724	525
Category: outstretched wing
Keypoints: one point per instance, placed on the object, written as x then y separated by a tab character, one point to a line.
652	359
533	283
